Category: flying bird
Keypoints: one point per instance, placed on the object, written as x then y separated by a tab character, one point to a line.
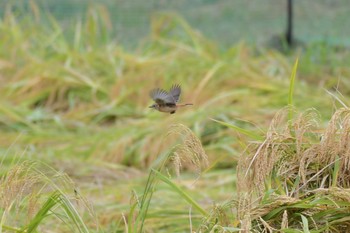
167	101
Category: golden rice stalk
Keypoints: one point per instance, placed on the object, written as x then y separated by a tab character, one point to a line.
16	184
284	224
189	152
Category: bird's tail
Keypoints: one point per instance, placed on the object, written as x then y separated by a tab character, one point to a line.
183	105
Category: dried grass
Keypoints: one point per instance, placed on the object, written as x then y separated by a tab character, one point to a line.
27	187
189	153
293	165
16	184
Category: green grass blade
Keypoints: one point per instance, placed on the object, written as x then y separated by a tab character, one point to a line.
72	214
130	216
291	231
42	213
232	229
305	224
250	134
46	210
291	88
181	192
145	202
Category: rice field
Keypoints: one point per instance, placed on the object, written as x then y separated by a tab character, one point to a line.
264	148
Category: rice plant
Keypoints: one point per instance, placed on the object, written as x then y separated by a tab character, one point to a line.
296	179
31	200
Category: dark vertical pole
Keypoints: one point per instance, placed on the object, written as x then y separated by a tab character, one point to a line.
289	32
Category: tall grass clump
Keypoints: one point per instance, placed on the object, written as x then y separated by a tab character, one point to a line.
187	151
35	197
297	179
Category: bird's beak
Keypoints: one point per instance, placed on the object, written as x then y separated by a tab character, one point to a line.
151	106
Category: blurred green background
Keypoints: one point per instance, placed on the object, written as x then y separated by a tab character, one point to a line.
224	21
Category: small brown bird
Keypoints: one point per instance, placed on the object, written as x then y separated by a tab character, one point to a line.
167	102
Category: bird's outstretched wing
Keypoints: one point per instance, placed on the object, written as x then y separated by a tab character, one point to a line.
161	97
175	92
